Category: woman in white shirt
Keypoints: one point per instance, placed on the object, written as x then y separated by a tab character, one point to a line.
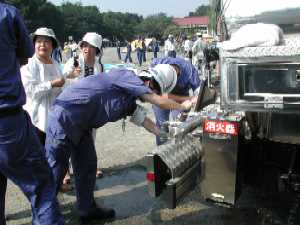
87	63
42	79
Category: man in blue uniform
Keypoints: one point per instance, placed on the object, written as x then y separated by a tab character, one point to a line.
91	103
22	157
188	78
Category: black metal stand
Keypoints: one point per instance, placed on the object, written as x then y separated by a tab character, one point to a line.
292	182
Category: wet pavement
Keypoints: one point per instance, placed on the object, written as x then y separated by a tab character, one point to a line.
123	187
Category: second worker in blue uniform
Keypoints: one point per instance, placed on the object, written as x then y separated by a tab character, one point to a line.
188	79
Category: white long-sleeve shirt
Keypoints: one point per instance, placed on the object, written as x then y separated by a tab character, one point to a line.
188	45
69	66
169	46
36	78
198	47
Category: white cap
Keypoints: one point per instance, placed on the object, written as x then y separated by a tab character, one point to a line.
170	36
48	32
165	75
93	39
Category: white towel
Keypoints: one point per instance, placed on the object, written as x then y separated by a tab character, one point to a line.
251	35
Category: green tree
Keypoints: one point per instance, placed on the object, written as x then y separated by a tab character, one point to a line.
28	10
155	25
121	26
202	10
74	19
40	13
172	29
47	12
80	19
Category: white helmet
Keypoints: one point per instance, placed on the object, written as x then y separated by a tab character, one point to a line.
93	39
165	75
44	31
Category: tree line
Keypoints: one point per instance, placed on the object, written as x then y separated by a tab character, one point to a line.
74	19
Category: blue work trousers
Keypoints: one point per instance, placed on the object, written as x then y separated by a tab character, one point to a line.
161	116
144	55
139	54
22	160
59	148
119	53
128	57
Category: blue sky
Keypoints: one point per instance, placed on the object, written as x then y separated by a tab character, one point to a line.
176	8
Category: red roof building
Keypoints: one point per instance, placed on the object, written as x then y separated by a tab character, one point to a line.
195	23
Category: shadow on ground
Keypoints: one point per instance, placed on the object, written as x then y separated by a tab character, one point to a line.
125	189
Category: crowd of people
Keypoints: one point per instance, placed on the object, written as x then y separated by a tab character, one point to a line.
48	115
190	48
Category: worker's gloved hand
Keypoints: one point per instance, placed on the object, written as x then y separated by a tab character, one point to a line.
163	136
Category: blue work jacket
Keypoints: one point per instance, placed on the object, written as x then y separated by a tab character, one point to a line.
15	44
93	101
188	79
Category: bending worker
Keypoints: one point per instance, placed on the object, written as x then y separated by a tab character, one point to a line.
22	157
87	63
188	78
91	103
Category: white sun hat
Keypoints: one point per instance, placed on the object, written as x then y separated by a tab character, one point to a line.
93	39
48	32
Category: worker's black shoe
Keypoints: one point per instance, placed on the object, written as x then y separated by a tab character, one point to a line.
98	214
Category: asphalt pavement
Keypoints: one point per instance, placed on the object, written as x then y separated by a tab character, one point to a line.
123	187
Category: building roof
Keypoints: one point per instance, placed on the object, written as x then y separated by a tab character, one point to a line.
195	20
